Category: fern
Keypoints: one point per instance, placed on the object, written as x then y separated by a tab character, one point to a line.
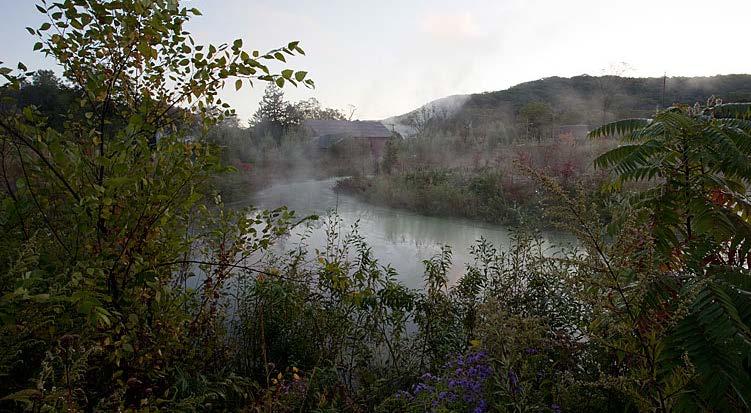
714	339
733	110
697	161
621	127
696	157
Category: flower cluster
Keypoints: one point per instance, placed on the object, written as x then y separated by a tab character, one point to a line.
461	388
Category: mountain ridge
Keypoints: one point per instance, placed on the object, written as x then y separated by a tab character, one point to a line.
578	99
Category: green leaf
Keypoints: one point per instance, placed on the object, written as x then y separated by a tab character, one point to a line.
238	43
280	81
41	9
37	45
620	127
299	76
45	26
737	110
287	73
238	84
23	395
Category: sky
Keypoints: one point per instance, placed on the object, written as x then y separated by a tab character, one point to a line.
385	58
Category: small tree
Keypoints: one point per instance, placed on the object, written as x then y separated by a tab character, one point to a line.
681	288
390	156
537	119
100	229
420	119
274	115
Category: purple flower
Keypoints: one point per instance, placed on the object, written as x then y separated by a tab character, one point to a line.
421	387
476	357
512	377
401	394
484	372
462	386
429	377
514	381
555	408
481	407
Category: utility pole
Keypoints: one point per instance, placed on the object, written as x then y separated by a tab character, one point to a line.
664	82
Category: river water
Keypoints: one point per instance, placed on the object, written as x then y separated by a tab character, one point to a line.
397	237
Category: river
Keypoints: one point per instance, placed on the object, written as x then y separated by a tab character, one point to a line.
398	237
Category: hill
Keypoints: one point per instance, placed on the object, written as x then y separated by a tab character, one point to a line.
582	99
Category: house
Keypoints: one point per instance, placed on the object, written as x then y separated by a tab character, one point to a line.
327	133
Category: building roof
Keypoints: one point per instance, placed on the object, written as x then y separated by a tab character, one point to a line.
348	129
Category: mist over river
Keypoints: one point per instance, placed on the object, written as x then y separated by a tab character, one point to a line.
398	237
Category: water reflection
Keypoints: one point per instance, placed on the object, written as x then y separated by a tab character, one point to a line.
398	237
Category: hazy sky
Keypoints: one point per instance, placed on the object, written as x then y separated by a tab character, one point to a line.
388	57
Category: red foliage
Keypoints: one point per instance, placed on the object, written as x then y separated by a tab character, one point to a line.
245	166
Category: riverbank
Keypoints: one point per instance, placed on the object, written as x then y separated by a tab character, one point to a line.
401	238
451	178
484	194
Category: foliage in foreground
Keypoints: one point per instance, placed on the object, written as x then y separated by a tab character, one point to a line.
104	213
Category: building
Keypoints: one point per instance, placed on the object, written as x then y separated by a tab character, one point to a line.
327	133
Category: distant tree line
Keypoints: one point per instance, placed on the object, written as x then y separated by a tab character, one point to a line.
46	91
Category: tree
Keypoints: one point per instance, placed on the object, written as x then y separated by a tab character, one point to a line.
390	156
274	115
537	118
100	222
698	158
312	109
46	92
421	118
609	84
688	317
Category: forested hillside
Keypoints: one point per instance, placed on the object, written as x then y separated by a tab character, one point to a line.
590	100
